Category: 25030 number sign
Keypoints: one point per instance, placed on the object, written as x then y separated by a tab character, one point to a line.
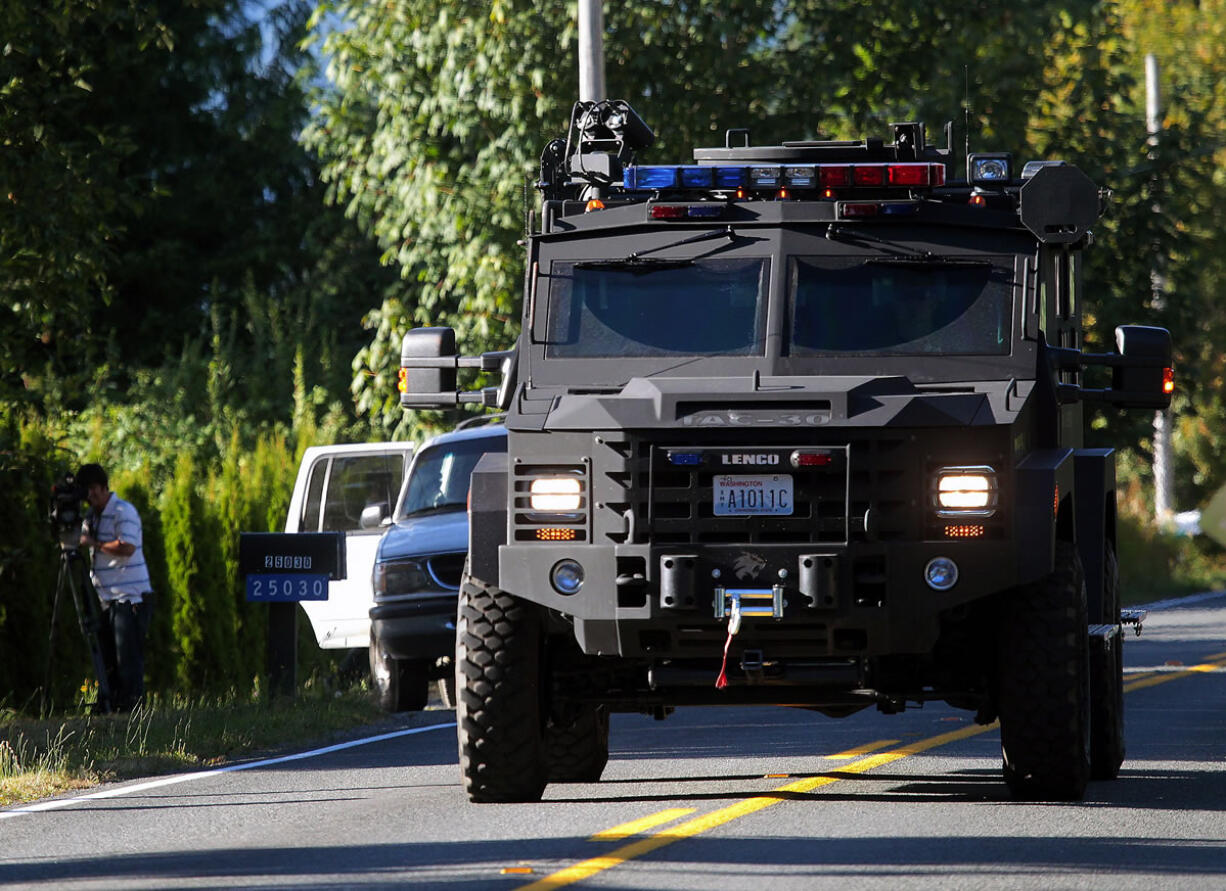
286	588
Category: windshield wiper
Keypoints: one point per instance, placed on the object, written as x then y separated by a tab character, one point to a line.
633	262
837	233
903	256
433	509
638	260
921	261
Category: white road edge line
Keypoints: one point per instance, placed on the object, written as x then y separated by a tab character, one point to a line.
57	803
1175	602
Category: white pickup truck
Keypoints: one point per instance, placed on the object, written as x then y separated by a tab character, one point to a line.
350	489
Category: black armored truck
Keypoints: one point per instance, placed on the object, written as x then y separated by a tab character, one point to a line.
794	425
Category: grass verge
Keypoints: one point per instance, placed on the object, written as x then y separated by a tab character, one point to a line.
44	757
1156	563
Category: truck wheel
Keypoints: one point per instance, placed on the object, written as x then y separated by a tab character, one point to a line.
500	716
1107	682
399	685
1044	685
579	751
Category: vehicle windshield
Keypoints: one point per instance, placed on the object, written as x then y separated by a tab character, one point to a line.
707	307
439	478
846	306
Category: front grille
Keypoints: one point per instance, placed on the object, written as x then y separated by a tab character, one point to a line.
447	569
867	490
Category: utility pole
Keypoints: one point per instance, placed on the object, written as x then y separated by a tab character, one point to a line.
591	51
1164	476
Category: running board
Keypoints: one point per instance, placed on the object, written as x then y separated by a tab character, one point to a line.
1127	617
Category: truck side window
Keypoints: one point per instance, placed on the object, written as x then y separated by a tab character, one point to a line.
357	482
309	521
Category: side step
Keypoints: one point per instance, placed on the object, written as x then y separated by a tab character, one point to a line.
1133	617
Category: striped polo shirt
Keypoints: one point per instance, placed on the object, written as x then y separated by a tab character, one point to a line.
119	578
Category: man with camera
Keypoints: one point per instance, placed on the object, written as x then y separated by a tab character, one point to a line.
113	530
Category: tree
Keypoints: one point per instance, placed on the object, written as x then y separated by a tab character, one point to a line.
63	186
434	114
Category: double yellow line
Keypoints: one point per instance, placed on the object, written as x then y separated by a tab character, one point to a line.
861	762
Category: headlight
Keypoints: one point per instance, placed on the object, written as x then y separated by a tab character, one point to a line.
560	493
965	492
399	577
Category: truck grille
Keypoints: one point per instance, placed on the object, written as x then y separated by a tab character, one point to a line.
866	478
447	569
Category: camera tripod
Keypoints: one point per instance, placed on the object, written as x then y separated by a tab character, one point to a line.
73	577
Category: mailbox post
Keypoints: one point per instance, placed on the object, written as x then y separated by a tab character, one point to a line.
282	569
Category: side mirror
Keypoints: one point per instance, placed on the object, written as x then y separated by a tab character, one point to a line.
428	368
1141	371
372	516
428	364
1143	376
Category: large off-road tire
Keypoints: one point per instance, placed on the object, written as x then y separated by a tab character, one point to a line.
399	685
500	713
1044	685
579	751
1107	682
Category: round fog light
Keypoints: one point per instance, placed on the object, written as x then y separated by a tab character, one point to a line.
566	577
941	573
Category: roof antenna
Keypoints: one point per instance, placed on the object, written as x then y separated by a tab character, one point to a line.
966	107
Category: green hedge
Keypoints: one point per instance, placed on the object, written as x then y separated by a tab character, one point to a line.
204	638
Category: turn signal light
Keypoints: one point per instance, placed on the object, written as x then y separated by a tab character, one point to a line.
402	380
555	533
965	531
1168	381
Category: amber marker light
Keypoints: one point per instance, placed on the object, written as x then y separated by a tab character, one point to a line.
555	533
964	531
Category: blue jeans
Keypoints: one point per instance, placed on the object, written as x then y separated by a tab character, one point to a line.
123	644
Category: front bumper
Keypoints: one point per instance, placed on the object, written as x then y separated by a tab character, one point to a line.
862	599
416	626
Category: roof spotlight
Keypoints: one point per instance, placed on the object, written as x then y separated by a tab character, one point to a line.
989	170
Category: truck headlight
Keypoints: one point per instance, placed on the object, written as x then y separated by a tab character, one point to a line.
965	492
556	493
399	577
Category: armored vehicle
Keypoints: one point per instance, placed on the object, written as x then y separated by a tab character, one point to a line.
794	425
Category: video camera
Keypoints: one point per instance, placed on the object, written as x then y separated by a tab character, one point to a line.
67	496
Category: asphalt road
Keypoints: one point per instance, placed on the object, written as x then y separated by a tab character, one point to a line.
711	798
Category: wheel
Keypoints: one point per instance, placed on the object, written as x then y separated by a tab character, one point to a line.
500	713
1044	685
579	751
1107	682
399	685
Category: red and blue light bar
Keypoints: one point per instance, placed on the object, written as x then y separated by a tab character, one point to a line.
767	177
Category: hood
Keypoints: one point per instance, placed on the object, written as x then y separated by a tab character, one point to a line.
791	401
423	536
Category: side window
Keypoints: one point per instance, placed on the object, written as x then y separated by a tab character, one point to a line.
309	521
356	483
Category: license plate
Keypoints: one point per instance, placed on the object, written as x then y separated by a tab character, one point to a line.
752	496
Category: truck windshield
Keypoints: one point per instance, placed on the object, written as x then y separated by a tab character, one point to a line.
846	306
440	475
707	307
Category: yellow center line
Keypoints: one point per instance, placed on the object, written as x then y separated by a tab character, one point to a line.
698	825
863	750
634	827
1164	676
706	822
